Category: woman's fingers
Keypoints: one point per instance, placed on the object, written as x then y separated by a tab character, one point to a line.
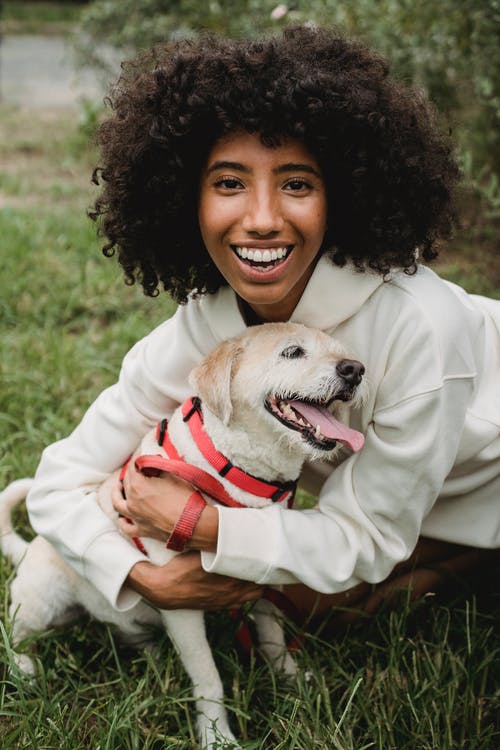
118	501
133	526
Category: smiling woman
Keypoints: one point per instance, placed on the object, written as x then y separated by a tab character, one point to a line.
257	202
289	178
367	142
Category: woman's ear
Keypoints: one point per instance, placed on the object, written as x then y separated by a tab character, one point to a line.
211	379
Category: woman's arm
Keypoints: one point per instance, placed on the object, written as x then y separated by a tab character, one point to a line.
183	584
62	504
371	507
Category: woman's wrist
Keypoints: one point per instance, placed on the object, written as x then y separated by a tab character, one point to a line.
141	579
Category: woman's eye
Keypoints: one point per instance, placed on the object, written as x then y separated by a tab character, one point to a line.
228	183
297	185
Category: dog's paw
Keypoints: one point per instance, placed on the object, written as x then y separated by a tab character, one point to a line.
280	659
24	664
288	665
216	736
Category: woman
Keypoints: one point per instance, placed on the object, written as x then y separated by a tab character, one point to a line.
287	179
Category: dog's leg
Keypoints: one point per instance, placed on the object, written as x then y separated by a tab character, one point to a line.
41	597
272	637
187	630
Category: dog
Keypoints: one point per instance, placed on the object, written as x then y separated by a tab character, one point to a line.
268	400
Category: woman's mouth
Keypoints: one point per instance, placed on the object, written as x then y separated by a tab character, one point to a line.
262	258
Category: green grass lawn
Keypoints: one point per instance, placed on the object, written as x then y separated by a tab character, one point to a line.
417	677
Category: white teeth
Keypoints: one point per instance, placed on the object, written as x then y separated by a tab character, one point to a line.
292	416
261	256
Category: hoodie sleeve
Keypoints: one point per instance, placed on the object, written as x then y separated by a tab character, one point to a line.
422	366
62	504
371	507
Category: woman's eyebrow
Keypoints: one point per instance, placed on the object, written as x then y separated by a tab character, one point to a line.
228	165
281	169
296	167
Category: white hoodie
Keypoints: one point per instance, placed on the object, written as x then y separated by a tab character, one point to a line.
430	464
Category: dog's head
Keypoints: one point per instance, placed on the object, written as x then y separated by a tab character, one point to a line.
287	378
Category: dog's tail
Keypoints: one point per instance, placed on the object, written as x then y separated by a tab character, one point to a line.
11	544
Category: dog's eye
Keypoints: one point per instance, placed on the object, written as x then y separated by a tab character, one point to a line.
293	352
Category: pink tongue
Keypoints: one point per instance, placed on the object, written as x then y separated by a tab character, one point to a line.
329	426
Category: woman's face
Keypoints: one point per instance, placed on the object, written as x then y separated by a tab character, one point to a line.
262	214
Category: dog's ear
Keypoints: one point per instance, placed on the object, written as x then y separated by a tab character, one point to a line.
211	379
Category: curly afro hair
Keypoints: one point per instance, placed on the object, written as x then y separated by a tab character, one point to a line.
389	172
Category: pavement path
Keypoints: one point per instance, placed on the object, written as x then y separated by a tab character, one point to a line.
40	72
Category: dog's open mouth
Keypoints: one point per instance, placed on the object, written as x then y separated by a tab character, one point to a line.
318	425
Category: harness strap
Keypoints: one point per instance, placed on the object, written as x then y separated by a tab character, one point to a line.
164	441
274	491
151	466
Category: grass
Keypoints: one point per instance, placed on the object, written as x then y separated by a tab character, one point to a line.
421	676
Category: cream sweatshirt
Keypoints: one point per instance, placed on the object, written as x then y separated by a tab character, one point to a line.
430	464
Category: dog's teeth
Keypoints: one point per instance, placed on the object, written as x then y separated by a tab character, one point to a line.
317	431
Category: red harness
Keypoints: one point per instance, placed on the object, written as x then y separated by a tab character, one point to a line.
153	465
150	465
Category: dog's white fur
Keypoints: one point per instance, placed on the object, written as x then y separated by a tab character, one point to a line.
233	383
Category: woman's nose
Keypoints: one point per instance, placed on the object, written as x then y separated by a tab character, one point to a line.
263	214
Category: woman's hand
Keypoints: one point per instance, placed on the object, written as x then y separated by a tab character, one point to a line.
153	506
183	584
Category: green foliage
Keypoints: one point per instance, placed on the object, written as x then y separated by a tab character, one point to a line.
416	677
451	48
25	17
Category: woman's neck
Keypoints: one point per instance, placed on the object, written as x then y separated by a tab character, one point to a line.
249	315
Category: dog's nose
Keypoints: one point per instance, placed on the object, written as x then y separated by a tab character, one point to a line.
351	371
